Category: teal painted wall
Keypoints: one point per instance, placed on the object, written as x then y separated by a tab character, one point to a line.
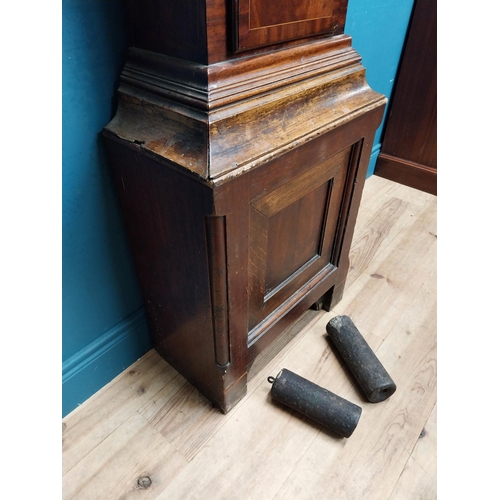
378	30
104	327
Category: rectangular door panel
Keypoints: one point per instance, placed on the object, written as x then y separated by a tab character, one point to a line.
289	250
293	230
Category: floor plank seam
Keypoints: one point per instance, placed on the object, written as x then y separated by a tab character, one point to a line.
296	464
390	497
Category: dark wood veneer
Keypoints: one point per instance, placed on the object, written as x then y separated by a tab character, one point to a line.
260	22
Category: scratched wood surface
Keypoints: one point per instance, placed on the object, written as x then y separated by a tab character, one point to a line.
149	434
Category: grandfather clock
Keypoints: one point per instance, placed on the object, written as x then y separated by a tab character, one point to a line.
239	151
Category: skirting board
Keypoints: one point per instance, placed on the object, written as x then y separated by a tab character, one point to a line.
408	173
90	369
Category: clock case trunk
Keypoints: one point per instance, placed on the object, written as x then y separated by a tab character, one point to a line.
239	182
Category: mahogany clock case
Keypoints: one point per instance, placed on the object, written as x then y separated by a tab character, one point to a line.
240	179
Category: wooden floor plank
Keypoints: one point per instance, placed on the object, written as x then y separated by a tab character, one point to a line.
378	296
378	193
112	469
249	457
184	417
99	416
419	478
381	223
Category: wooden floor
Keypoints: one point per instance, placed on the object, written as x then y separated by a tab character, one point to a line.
149	435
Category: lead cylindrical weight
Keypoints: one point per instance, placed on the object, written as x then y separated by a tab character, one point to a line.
317	403
364	365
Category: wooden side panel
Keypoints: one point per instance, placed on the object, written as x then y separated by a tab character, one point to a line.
176	28
257	252
261	22
180	256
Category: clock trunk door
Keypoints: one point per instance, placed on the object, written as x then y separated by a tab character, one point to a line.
295	237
